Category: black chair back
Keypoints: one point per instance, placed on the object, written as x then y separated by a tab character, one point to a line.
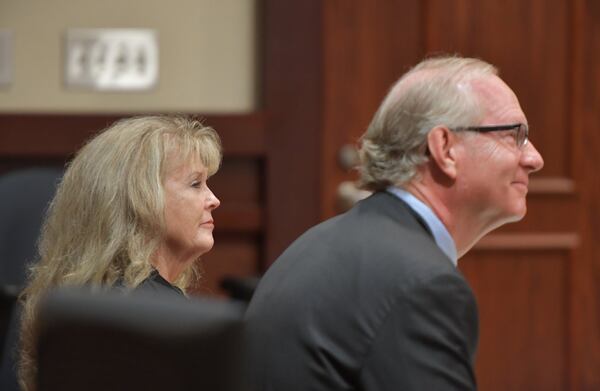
24	197
139	342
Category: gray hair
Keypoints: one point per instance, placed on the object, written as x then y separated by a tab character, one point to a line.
435	92
107	217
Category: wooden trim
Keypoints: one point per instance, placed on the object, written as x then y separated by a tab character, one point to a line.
239	218
242	134
557	185
59	135
584	278
529	241
293	102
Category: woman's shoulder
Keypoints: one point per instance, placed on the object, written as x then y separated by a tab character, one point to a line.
156	284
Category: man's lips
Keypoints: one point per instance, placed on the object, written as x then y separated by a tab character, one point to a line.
524	184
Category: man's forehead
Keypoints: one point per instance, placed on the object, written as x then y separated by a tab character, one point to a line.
497	97
408	81
490	87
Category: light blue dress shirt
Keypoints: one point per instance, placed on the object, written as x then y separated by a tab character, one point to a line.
440	233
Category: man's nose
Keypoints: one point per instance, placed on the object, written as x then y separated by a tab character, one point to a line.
531	158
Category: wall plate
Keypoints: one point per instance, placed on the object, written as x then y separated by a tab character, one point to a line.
6	58
111	59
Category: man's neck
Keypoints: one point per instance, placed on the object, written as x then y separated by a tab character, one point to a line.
464	228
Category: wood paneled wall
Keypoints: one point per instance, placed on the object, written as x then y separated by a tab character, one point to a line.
584	132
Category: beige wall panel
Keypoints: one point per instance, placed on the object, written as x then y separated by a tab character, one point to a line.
207	55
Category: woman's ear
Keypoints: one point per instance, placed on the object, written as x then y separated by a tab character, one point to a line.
441	143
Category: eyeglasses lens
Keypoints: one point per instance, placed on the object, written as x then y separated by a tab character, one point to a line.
522	135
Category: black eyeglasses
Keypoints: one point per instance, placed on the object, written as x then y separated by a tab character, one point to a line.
521	131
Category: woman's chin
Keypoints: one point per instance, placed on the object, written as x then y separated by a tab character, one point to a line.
205	245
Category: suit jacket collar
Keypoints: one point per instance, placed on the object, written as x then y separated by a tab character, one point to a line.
440	233
398	210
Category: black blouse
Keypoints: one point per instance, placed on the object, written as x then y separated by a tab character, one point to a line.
156	284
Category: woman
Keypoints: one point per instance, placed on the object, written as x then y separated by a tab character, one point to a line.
133	211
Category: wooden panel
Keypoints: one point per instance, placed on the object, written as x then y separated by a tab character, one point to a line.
523	306
367	46
529	42
232	255
550	185
239	186
54	135
529	241
585	281
521	272
239	180
293	104
539	218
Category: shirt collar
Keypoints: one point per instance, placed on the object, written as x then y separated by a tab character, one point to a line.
438	230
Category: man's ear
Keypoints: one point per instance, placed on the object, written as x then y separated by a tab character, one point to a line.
441	143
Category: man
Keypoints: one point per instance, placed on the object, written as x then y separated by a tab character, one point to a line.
372	299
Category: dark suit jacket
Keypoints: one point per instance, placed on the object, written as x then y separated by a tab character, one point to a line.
363	301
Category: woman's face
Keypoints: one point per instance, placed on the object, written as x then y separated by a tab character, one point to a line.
188	211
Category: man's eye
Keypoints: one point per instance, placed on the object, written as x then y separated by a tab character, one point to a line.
512	134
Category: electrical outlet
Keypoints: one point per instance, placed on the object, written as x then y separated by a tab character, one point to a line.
111	59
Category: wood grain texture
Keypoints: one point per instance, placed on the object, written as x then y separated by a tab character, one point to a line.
532	241
585	271
293	104
550	185
523	307
367	46
529	42
234	254
60	135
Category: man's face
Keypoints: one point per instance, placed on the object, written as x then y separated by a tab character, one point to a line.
494	172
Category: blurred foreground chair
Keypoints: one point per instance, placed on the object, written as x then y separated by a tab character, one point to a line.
240	288
24	197
112	341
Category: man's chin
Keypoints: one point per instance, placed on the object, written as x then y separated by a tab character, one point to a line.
517	216
513	217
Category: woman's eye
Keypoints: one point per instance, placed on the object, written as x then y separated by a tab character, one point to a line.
196	184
